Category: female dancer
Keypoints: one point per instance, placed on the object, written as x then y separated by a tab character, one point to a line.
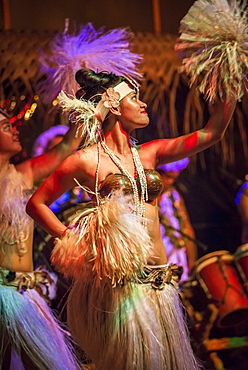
123	309
30	337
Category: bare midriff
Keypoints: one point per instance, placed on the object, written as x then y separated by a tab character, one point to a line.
158	257
12	261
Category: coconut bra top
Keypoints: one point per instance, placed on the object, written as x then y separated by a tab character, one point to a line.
115	181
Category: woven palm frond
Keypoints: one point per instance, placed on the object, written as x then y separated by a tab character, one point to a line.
90	48
162	88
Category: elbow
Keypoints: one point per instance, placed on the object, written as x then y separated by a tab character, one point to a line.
216	137
212	136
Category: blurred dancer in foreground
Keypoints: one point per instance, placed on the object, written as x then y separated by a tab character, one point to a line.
30	337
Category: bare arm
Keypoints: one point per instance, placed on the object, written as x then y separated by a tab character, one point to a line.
38	168
169	150
56	184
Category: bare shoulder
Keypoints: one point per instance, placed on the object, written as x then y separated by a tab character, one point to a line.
87	154
73	162
148	154
154	146
25	169
80	163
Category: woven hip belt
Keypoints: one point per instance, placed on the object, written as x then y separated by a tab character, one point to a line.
22	281
159	276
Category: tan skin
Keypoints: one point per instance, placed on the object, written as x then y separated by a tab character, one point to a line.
130	115
33	170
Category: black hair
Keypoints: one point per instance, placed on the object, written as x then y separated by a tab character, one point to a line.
93	83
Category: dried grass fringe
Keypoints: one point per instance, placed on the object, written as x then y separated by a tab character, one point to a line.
109	239
28	324
130	327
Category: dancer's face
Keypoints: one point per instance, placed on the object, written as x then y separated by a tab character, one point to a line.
133	112
9	137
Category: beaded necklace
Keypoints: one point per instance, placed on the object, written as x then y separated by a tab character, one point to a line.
139	200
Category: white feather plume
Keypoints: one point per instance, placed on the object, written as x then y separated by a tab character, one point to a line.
82	114
90	48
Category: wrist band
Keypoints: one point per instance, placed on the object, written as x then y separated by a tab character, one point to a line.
64	232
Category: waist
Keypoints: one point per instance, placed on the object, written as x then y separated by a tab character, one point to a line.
158	276
22	281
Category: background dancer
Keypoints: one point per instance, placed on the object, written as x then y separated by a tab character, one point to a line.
29	334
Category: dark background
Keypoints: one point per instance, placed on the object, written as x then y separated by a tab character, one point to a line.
209	190
209	184
137	14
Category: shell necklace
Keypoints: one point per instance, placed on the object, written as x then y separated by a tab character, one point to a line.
139	200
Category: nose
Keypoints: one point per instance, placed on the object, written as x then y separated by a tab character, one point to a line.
15	131
143	105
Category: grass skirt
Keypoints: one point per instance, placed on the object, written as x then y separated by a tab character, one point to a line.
28	325
124	315
130	327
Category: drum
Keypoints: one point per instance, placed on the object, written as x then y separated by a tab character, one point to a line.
193	295
218	277
241	263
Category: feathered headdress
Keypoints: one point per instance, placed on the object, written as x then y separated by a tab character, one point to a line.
91	49
214	44
87	115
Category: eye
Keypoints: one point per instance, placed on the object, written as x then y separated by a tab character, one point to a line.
7	126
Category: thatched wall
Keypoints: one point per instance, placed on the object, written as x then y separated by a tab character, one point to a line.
174	109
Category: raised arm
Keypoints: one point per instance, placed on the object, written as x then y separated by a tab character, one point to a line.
38	168
55	185
169	150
